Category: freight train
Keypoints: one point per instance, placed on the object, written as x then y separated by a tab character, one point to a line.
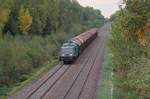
72	48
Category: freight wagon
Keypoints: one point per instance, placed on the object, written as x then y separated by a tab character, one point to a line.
72	48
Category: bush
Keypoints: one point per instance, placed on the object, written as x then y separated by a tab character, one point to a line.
20	55
130	47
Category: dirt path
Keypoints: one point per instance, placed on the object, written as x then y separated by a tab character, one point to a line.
76	81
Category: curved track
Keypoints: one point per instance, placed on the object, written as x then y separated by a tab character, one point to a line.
76	81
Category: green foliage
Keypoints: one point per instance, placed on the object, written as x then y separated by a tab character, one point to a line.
25	20
48	16
20	56
130	47
106	89
5	6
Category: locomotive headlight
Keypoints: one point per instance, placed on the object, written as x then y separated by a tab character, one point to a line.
70	54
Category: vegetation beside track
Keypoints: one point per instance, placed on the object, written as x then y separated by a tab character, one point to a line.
106	86
31	32
34	76
130	46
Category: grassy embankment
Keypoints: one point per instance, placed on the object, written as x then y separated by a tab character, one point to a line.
106	83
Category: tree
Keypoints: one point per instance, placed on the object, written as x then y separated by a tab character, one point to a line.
52	23
39	11
5	6
25	20
130	45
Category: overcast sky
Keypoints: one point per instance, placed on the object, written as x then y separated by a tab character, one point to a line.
107	7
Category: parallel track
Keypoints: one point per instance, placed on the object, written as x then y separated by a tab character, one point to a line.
27	92
76	89
51	95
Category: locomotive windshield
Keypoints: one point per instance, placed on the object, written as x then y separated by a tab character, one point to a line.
67	50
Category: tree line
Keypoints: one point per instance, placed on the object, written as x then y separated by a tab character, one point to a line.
130	45
40	17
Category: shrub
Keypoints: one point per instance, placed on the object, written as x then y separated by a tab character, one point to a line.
130	47
20	55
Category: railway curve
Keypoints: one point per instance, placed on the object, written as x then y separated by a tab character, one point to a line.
76	81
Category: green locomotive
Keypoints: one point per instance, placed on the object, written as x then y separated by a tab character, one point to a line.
72	48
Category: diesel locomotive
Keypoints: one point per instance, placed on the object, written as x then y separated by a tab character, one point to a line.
72	48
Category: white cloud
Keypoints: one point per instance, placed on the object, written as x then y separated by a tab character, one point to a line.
107	7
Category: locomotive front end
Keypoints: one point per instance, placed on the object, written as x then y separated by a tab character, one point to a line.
67	53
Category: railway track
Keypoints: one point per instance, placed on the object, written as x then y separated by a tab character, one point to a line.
75	81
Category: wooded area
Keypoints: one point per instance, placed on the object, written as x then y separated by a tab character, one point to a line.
41	17
130	45
31	32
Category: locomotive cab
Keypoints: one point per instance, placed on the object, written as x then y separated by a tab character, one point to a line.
69	52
